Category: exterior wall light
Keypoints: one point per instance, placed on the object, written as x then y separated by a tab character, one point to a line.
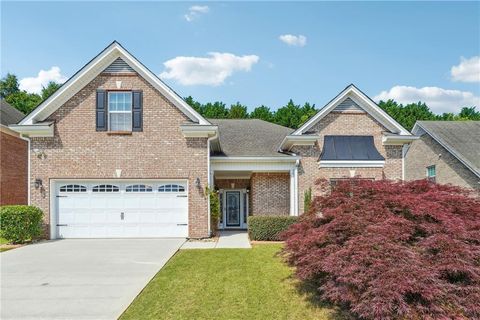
38	183
197	182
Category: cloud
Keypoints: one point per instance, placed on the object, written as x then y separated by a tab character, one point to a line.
212	70
439	100
291	40
195	11
35	84
467	71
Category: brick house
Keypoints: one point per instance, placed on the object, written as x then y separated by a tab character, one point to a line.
120	154
13	158
446	152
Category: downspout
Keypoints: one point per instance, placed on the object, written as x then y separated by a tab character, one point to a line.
28	167
295	179
209	182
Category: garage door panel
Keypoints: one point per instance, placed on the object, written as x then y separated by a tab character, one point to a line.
89	214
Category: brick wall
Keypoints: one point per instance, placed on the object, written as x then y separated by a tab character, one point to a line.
426	152
160	151
270	194
237	183
336	123
13	169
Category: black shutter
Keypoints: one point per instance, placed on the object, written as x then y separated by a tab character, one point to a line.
101	111
137	111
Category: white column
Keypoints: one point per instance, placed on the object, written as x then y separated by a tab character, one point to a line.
292	192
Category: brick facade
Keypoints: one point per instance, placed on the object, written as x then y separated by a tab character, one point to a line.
346	123
13	169
426	152
270	194
77	151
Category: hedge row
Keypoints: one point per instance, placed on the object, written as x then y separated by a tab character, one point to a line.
20	223
269	228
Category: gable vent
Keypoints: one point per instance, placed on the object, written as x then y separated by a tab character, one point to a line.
348	105
119	66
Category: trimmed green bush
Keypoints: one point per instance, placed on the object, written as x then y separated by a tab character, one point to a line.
269	228
20	223
214	210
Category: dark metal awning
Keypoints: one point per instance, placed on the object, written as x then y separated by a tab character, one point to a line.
341	148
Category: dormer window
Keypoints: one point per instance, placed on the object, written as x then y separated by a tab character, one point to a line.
120	111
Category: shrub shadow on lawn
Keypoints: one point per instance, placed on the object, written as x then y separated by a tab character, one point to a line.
308	289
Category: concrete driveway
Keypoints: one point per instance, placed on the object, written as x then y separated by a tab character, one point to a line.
79	279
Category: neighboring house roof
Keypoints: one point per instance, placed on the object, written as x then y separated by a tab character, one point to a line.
92	69
8	114
250	137
350	148
354	98
460	138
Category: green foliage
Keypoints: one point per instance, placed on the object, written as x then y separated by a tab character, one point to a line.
214	209
269	228
194	104
50	89
262	113
20	99
289	115
20	223
8	85
307	200
469	113
24	101
238	111
408	114
216	110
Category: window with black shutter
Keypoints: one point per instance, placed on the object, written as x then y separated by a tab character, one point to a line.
101	111
137	117
119	111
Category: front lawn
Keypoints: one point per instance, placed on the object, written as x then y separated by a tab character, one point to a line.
226	284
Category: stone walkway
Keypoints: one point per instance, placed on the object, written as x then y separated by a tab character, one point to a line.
227	239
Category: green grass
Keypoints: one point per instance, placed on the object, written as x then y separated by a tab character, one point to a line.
226	284
2	242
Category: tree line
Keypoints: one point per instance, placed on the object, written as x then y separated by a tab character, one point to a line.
290	115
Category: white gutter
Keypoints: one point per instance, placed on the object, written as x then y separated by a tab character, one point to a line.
28	170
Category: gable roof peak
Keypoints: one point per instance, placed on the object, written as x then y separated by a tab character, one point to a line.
92	69
365	102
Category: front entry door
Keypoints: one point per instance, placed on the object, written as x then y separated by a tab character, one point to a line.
232	214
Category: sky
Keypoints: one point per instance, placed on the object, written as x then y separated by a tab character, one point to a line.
259	53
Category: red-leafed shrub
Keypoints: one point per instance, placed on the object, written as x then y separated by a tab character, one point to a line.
389	250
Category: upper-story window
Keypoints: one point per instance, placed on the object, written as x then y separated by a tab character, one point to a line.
120	111
431	173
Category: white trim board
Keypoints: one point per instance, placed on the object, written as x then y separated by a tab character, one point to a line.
351	163
364	102
92	69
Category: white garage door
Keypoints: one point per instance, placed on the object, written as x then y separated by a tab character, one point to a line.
112	209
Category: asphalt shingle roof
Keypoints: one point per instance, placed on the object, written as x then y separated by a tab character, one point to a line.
8	114
250	137
461	137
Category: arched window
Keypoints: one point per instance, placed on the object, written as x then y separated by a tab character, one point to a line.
138	188
105	188
73	188
171	188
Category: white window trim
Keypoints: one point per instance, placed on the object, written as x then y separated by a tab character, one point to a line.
119	111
